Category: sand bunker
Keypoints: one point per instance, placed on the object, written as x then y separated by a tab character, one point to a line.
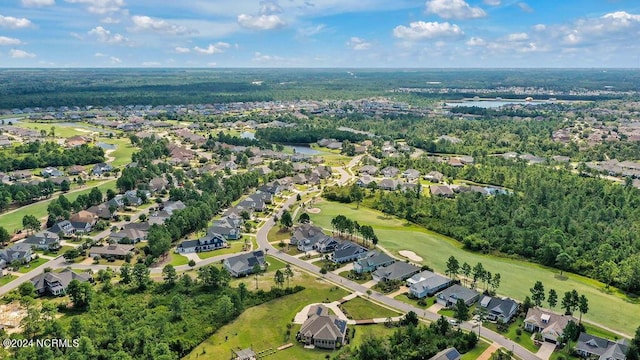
313	211
410	255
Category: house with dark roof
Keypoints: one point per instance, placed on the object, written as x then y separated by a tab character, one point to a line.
118	251
388	184
547	323
594	347
397	271
447	354
371	261
427	283
272	188
449	297
103	211
209	242
56	284
503	309
347	251
44	240
306	237
243	264
17	252
322	330
228	228
64	227
101	168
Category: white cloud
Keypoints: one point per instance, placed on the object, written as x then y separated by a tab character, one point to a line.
20	54
420	30
454	9
270	8
14	23
99	54
517	37
151	63
311	30
476	41
182	50
259	57
105	36
110	20
540	27
9	41
357	43
525	7
146	23
262	22
115	60
100	6
37	3
216	48
492	2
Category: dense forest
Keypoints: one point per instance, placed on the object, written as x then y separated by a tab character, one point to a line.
306	134
23	194
38	155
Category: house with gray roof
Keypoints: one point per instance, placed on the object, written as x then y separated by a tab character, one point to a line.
306	238
227	227
388	184
322	330
20	252
209	242
56	284
447	354
593	347
369	170
449	297
499	309
411	174
371	261
434	176
441	190
130	235
390	171
365	180
44	240
347	251
243	264
396	271
118	251
427	283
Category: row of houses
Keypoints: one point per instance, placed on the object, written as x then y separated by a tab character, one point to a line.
307	237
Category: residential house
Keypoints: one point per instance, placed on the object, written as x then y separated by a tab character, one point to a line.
76	170
171	206
44	240
118	251
427	283
77	140
158	184
51	172
158	218
64	227
85	217
441	190
411	174
272	188
449	297
388	184
103	211
593	347
21	174
19	252
306	237
503	309
397	271
434	176
211	241
129	236
52	283
228	227
447	354
371	261
390	171
101	168
347	251
243	264
365	180
322	330
547	323
300	179
369	170
326	244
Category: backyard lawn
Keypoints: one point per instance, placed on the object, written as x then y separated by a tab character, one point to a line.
271	319
32	265
361	309
609	307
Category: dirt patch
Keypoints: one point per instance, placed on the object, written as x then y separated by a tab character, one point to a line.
313	211
410	255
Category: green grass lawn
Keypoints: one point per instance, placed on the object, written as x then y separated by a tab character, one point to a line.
404	298
234	247
523	340
123	151
361	309
13	221
275	264
270	320
476	352
177	259
372	330
7	279
364	278
60	131
608	307
32	265
277	233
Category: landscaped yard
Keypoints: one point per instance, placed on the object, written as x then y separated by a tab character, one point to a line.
13	221
7	279
363	277
476	352
404	298
265	326
275	264
234	247
32	265
524	339
277	233
609	307
177	259
361	309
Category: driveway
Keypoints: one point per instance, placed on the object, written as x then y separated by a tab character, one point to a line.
369	284
435	308
546	349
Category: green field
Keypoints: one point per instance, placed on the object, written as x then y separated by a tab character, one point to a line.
7	279
234	247
13	221
610	308
361	309
60	131
523	340
177	259
270	320
123	151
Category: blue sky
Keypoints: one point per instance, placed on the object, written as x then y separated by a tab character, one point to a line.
320	33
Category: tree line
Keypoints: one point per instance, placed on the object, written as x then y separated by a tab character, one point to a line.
39	155
344	225
306	134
